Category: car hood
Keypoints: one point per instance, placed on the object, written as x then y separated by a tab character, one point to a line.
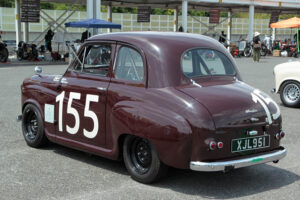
233	103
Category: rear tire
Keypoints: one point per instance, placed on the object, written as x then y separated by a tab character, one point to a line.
290	94
142	161
32	127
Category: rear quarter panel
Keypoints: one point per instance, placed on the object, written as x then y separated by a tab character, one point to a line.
166	117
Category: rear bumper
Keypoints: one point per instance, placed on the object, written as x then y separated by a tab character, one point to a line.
233	164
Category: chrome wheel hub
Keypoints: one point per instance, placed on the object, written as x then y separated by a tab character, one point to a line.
291	93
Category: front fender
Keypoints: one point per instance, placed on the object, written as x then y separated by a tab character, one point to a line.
38	95
168	131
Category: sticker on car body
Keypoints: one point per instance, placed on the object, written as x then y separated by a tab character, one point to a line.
258	97
49	113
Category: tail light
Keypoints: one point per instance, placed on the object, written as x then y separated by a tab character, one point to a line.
277	136
220	145
282	134
212	145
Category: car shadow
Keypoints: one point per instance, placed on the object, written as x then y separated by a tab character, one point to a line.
284	106
97	161
237	183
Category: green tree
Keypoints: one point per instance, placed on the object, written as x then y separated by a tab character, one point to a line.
7	3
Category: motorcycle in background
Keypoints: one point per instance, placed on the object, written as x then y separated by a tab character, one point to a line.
3	52
248	51
27	51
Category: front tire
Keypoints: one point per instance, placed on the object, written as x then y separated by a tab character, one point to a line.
247	52
290	94
32	126
141	160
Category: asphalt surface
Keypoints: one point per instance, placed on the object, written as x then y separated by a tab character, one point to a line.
57	172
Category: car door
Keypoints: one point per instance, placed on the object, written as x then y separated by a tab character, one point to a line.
81	103
127	85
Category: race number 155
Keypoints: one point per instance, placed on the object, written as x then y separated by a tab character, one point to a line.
72	111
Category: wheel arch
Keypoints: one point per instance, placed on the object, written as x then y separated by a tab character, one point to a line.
35	103
284	81
121	140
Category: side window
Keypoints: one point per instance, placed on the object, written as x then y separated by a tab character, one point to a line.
213	62
95	59
129	65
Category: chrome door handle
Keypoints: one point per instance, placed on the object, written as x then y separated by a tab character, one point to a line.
64	81
101	89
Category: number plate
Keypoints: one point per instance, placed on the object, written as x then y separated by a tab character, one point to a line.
250	143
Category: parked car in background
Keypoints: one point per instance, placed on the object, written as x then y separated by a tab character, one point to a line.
287	83
154	100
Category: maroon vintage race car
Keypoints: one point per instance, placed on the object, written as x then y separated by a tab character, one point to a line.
155	100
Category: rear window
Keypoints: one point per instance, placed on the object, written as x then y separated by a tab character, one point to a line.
206	62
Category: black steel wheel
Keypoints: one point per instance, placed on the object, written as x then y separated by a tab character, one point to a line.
290	94
141	160
32	126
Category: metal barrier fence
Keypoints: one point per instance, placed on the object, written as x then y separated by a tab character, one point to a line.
129	23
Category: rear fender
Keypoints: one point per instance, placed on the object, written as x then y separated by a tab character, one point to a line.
169	132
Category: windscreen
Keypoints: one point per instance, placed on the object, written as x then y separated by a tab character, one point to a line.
206	62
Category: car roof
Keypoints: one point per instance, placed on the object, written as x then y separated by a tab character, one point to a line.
163	51
152	35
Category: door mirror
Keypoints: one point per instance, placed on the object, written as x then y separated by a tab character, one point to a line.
38	70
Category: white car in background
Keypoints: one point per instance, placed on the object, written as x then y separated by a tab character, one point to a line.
287	83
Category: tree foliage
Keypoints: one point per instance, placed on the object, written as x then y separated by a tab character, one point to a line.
7	3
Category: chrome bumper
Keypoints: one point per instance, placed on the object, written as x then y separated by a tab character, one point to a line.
233	164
